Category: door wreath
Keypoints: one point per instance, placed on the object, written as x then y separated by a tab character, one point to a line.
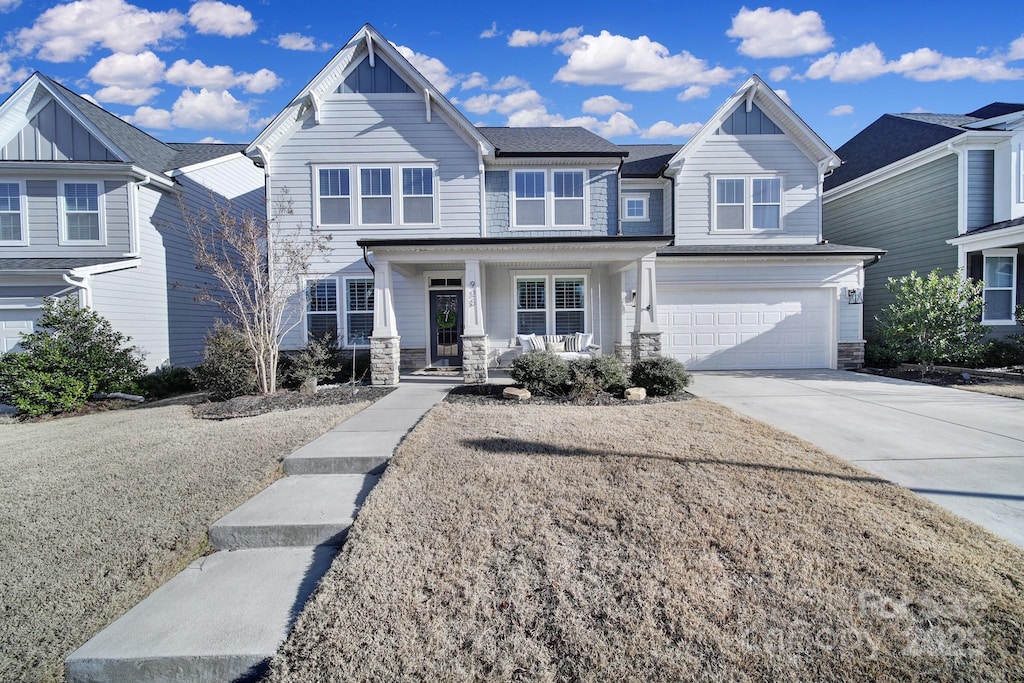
446	319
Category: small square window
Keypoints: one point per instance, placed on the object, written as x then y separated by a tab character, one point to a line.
634	208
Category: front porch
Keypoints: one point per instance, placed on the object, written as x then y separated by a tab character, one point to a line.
993	255
460	303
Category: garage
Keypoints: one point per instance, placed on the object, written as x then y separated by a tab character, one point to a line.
14	322
756	329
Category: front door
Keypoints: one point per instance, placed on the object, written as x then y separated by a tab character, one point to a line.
446	328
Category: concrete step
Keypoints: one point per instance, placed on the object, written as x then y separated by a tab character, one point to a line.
221	619
345	452
307	510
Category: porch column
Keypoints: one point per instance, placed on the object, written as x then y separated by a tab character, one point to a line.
474	339
384	342
646	337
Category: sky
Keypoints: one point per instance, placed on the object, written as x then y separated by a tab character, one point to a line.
632	72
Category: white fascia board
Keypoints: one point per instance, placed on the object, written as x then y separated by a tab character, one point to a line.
99	269
537	253
990	240
1013	120
184	170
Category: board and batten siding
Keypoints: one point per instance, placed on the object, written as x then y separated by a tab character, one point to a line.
980	198
748	155
602	190
54	135
910	216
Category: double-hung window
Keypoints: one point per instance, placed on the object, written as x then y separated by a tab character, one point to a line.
375	196
569	202
1000	285
550	304
334	200
322	309
530	208
81	212
417	195
358	311
12	223
549	199
747	203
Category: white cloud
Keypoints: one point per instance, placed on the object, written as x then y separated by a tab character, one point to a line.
841	110
492	32
297	41
209	139
667	129
9	76
635	64
9	5
924	64
521	38
859	64
210	110
510	83
120	95
503	104
128	71
765	32
780	73
604	105
67	32
617	125
196	74
1016	50
474	80
784	96
694	92
214	18
432	68
148	117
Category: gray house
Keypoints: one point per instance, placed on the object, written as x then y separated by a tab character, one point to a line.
89	207
936	191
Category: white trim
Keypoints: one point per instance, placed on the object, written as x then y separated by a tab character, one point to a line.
549	277
22	213
549	200
632	196
205	164
435	189
101	206
355	196
990	239
343	308
317	223
748	203
1000	253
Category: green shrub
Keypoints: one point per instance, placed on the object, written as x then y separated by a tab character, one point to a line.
659	375
75	353
602	373
320	358
878	355
228	368
541	373
1004	353
166	382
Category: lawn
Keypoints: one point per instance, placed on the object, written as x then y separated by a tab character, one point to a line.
663	542
99	510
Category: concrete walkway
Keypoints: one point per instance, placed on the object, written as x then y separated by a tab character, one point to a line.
960	449
225	615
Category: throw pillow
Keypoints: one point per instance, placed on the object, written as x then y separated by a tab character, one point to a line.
555	347
572	342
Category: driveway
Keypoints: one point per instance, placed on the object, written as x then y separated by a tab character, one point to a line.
960	449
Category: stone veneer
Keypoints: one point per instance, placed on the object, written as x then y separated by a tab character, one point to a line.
474	359
645	345
624	352
850	355
384	361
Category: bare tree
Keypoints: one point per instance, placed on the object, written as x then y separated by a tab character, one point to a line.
257	266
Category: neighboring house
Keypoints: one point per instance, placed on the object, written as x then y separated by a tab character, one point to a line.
89	207
937	191
451	240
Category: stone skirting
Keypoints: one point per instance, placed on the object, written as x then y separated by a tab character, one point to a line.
385	355
474	359
850	355
412	360
624	352
645	345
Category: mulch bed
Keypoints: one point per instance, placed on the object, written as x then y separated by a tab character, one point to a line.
248	406
489	394
939	378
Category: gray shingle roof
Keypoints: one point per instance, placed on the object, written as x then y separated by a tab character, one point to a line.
769	250
1001	225
552	141
647	161
190	153
991	111
951	120
56	263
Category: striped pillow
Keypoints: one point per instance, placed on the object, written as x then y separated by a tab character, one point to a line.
536	343
572	342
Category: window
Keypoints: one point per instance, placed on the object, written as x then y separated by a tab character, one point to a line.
747	204
634	207
358	311
549	199
529	198
81	215
375	195
1000	285
322	309
550	304
417	195
335	197
11	221
569	206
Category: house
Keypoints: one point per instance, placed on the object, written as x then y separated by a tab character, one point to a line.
89	207
937	191
450	241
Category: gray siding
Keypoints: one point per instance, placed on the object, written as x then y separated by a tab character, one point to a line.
980	169
911	216
655	213
54	135
602	184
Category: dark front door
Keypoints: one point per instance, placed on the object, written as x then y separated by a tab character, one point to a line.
446	328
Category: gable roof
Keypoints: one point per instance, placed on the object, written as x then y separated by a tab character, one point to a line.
991	111
571	141
647	161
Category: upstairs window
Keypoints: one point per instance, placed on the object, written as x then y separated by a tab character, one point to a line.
334	197
375	196
418	195
12	228
747	203
767	203
322	309
81	215
549	199
358	311
634	207
569	206
730	202
529	200
1000	286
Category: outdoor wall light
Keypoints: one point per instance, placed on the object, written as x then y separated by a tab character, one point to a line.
854	296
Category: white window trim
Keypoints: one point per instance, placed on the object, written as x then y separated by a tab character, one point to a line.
748	202
549	199
402	195
316	196
22	214
633	196
355	188
344	312
1000	253
62	219
549	296
360	196
306	280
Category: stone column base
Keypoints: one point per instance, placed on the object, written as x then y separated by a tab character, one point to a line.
850	355
385	356
645	345
624	353
474	359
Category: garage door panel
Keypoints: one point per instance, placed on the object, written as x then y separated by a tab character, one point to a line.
14	323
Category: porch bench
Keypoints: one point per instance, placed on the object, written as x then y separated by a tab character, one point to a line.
567	346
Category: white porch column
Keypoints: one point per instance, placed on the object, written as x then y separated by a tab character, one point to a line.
384	342
474	338
646	337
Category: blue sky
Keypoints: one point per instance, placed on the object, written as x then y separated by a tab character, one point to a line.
634	72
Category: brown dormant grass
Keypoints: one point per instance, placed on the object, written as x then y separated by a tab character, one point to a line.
97	511
666	542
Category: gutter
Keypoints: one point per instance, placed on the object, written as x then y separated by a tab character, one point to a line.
86	297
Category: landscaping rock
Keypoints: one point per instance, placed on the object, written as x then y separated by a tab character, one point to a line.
516	393
308	386
636	394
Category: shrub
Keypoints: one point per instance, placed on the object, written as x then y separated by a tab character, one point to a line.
166	382
602	373
74	354
542	373
1004	353
320	358
659	375
228	368
878	355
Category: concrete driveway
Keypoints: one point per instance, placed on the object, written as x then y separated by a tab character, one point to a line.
960	449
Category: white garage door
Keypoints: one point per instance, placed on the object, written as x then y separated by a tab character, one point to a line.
12	323
760	329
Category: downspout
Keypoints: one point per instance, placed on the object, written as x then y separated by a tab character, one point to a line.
672	201
875	260
961	190
83	284
366	260
134	250
618	209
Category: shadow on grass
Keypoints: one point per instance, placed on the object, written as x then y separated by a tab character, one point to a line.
520	446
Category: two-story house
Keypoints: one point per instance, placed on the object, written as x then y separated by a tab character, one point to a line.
89	207
452	242
937	191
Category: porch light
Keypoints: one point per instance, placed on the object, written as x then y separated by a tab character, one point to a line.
854	296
